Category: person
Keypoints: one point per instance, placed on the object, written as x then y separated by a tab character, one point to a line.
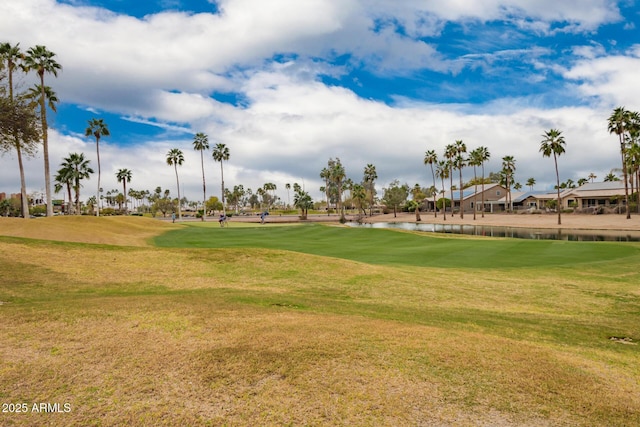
222	220
173	217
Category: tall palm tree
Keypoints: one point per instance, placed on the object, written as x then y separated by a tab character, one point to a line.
11	56
325	174
287	186
508	169
201	143
370	176
460	161
176	158
41	60
442	171
124	176
475	161
430	157
97	128
618	122
221	154
450	154
483	155
553	143
338	175
592	176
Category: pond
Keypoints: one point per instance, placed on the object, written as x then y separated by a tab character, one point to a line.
513	232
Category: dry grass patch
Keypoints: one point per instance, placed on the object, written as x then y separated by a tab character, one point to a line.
110	230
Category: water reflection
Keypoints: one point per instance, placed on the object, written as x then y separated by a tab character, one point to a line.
513	232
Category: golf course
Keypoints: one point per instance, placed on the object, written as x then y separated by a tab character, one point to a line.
115	321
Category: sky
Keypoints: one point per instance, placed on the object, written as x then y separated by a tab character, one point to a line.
289	84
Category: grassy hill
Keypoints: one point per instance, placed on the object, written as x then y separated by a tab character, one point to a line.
139	322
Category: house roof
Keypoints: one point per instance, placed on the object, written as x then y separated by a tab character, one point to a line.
469	192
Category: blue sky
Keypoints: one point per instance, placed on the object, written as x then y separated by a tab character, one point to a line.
288	84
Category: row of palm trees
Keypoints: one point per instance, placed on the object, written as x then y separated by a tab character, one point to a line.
220	153
40	60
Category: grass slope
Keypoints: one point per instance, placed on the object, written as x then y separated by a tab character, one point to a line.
249	335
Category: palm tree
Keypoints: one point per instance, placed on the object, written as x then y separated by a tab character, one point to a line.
450	154
592	176
64	178
483	156
338	174
124	176
287	186
370	176
442	172
78	169
553	143
460	161
11	55
530	183
618	122
175	158
41	60
475	160
610	177
508	169
97	128
220	154
326	175
430	157
201	143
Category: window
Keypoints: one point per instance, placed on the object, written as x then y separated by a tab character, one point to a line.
497	192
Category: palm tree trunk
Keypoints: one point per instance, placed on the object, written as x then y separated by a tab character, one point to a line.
204	189
626	181
482	189
175	165
45	144
98	193
224	208
461	207
24	202
558	187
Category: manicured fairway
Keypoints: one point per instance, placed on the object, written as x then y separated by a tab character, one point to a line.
391	247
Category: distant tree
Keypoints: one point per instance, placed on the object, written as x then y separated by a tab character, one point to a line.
201	143
62	179
582	181
442	171
450	154
395	195
508	170
124	176
430	158
620	121
302	200
592	176
97	128
483	156
369	179
287	187
175	158
459	162
221	154
79	169
40	60
610	177
530	183
553	144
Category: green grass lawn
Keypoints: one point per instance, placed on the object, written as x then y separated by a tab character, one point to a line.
390	247
317	325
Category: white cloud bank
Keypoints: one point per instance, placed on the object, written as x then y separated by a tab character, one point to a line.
164	67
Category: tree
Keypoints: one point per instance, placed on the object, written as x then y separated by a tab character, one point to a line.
592	176
221	154
530	183
302	200
418	195
175	158
337	175
459	163
12	56
475	160
450	154
442	171
124	176
618	122
553	144
395	195
201	143
483	156
64	178
508	170
430	157
359	196
370	176
325	174
41	60
287	186
78	168
611	177
97	128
